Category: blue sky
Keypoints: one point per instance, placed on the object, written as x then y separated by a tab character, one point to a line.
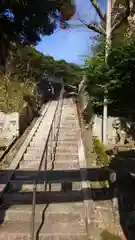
74	44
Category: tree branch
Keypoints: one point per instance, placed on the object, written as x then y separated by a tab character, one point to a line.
124	16
103	29
93	26
98	10
114	17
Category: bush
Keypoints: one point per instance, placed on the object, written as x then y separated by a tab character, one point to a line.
102	158
12	95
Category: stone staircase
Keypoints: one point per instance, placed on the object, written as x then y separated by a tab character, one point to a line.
60	210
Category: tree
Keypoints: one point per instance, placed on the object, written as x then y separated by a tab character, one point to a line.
120	14
98	78
122	62
31	64
24	22
118	77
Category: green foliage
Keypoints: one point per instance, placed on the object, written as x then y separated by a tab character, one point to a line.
31	64
12	93
99	79
105	235
117	77
26	68
24	22
102	158
122	63
99	47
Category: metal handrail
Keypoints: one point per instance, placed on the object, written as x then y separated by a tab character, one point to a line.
52	127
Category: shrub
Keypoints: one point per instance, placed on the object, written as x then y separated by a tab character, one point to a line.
102	158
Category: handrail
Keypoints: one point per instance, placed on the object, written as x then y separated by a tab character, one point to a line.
51	130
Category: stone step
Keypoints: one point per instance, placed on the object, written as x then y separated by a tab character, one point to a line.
12	231
49	187
59	142
41	187
37	144
68	125
67	143
67	149
66	157
65	123
34	149
40	138
41	130
31	160
20	187
67	128
42	197
67	138
54	213
68	133
60	148
29	165
32	157
63	165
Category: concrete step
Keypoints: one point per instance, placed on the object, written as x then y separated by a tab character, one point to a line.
68	126
67	138
63	165
75	231
68	122
58	157
59	186
66	157
29	165
68	132
34	149
67	149
40	138
60	148
67	143
50	187
54	213
32	157
42	197
37	144
41	187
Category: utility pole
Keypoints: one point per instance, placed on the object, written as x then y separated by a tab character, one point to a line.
108	43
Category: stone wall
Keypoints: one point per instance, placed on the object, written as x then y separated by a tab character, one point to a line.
97	128
9	125
14	124
9	129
